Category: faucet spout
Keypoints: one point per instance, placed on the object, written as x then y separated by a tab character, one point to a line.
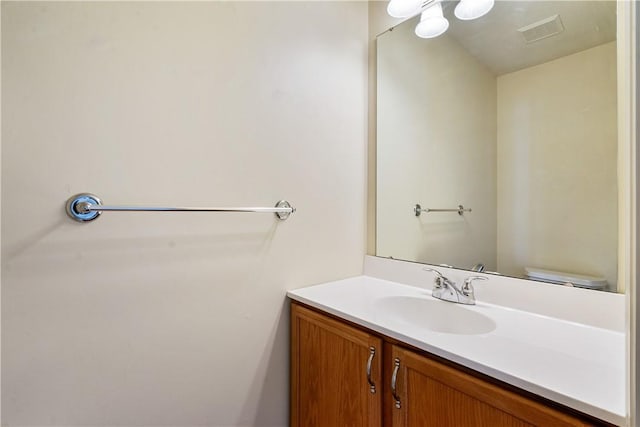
479	267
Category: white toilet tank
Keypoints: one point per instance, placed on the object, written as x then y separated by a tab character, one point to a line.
562	278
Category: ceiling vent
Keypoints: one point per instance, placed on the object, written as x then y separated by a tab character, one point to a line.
542	29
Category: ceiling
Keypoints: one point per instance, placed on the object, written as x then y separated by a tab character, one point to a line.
495	40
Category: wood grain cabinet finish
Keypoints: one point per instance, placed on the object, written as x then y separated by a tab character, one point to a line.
336	381
427	393
336	374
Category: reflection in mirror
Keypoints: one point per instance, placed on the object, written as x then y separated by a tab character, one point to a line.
513	116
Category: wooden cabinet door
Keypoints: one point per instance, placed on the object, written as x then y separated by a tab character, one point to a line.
429	393
330	386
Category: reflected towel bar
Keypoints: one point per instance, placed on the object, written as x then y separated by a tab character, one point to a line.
87	207
419	209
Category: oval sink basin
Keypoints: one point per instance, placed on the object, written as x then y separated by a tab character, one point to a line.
435	315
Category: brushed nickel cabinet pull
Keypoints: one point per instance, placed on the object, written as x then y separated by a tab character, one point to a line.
394	382
372	385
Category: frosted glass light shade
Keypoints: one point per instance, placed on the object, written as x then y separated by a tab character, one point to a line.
403	8
432	22
467	10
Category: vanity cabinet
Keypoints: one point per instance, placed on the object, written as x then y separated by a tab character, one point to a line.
336	373
343	375
425	392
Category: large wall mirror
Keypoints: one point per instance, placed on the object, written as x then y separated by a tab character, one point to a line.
513	116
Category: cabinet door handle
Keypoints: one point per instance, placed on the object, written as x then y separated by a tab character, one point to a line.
394	382
372	385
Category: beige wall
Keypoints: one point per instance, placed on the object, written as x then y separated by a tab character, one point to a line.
557	192
172	319
435	147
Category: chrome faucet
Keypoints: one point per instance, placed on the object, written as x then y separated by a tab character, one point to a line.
447	290
479	267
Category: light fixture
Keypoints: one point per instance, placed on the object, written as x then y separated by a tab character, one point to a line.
467	10
404	8
432	22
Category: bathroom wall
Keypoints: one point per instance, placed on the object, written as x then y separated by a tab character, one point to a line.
550	144
435	147
172	319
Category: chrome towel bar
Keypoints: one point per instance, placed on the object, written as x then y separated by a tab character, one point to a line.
87	207
419	209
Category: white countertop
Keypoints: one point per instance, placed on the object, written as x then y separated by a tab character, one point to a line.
580	366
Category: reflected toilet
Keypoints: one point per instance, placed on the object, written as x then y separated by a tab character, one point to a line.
568	279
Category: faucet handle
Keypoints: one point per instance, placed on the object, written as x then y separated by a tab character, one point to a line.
439	279
467	287
433	270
